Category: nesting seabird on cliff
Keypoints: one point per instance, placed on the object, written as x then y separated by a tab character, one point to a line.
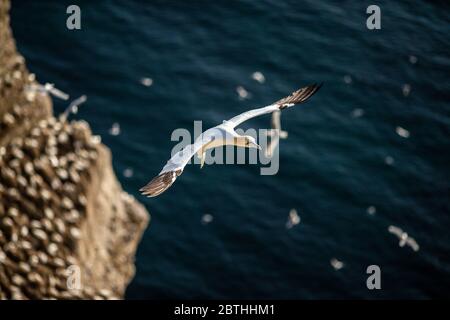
221	135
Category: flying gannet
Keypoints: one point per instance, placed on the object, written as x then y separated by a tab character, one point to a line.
404	238
50	88
336	264
275	134
73	107
221	135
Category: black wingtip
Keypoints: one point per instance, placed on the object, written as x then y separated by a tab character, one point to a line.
299	96
317	87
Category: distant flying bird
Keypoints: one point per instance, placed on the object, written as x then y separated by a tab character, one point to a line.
337	264
275	134
221	135
258	76
146	82
50	88
293	219
404	238
73	107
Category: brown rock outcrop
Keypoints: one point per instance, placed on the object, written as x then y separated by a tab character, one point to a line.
67	229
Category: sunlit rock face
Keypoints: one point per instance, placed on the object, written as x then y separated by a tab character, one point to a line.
67	229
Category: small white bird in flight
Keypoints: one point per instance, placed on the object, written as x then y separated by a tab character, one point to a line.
73	107
275	134
50	88
404	238
221	135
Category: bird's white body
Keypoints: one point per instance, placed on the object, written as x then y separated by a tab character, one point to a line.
50	88
218	136
214	137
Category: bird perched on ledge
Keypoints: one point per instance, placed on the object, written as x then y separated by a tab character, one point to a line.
221	135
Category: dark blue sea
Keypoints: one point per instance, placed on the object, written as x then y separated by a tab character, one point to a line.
346	167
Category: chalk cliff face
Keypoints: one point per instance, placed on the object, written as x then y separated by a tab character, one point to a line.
67	229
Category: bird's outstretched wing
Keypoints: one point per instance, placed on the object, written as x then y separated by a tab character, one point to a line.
395	230
296	97
299	96
50	88
413	244
173	168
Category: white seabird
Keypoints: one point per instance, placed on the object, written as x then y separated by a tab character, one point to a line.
115	129
50	88
207	218
371	210
242	93
402	132
73	107
221	135
293	219
336	264
404	238
258	76
275	134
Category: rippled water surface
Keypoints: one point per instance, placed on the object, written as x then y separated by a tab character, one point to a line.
335	164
